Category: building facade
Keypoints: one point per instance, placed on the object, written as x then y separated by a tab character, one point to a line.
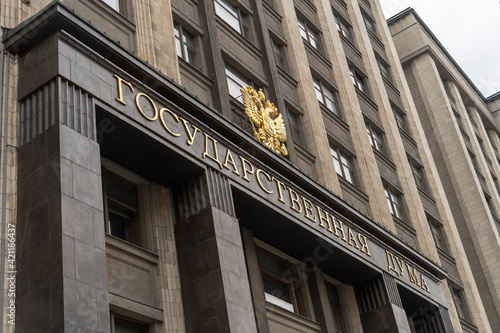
137	195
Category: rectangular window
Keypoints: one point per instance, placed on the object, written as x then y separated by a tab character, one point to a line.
325	96
375	138
394	202
233	16
343	28
458	300
115	4
122	208
489	202
343	164
280	282
235	81
473	160
279	55
185	44
400	118
384	70
308	34
127	325
437	234
333	297
357	79
418	174
296	128
370	24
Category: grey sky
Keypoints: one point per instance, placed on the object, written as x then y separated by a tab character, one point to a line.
469	30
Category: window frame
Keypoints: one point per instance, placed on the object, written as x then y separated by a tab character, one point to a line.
359	81
185	47
370	24
342	169
344	28
130	322
462	309
438	234
418	174
400	117
335	307
323	91
236	75
306	31
288	278
384	68
234	11
376	138
121	208
280	55
396	207
296	126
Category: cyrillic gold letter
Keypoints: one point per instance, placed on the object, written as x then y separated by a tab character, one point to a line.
294	199
165	124
278	184
120	92
152	104
229	159
245	170
257	173
205	153
191	135
364	243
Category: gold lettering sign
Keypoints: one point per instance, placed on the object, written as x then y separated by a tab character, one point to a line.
184	131
398	266
271	132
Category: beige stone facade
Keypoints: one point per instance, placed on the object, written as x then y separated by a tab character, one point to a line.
143	203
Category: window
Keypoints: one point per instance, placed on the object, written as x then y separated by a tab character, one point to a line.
309	35
357	79
115	4
370	24
343	28
400	118
375	138
122	208
458	300
235	81
495	181
333	298
384	70
233	16
437	234
343	164
473	160
418	174
481	145
325	96
127	325
489	202
280	282
185	43
296	128
280	55
394	202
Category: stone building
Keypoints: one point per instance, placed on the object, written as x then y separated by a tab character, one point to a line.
139	198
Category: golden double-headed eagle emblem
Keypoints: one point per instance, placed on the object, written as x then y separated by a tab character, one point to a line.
267	123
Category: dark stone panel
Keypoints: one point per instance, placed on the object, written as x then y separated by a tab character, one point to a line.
80	305
45	183
38	224
68	248
23	195
55	216
53	143
32	156
87	186
201	259
77	220
56	302
45	264
34	312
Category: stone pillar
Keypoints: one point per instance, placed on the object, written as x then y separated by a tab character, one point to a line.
380	306
214	280
62	280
